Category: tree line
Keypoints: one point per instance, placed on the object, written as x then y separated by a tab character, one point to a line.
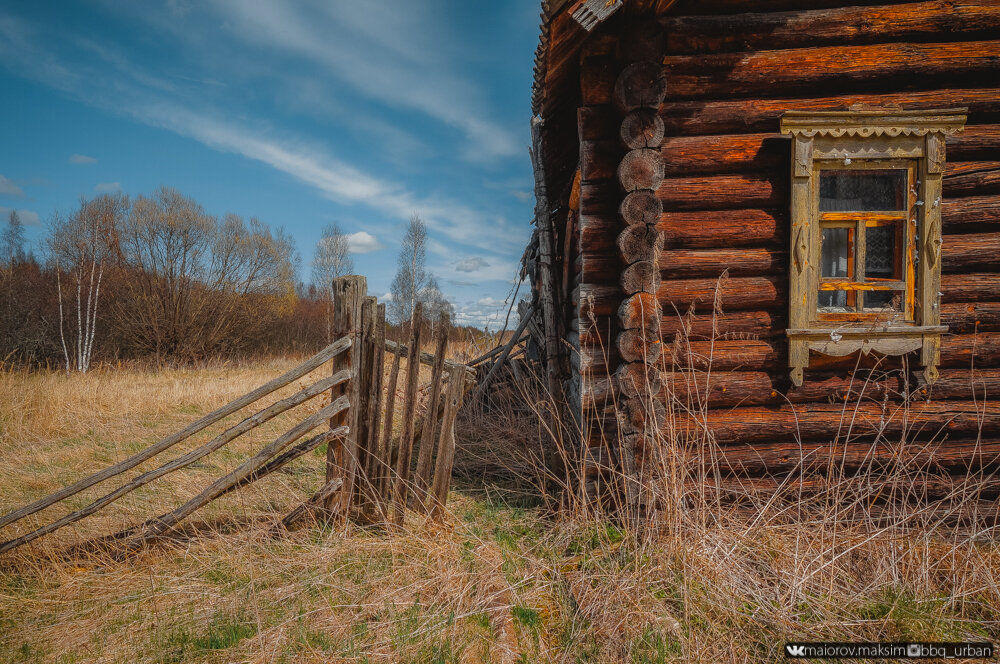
156	277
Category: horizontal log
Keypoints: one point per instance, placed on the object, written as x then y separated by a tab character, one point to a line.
640	312
639	243
640	207
732	294
699	390
707	7
641	169
641	277
974	251
716	229
970	287
783	456
728	389
596	122
642	128
885	489
640	85
599	159
637	346
960	213
729	153
733	153
740	293
711	263
818	421
600	197
762	115
597	80
972	178
831	67
635	378
919	21
722	192
971	316
973	143
959	350
745	324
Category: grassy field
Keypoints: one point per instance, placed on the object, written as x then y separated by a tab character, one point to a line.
503	580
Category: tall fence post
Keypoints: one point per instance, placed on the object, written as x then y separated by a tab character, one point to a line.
342	454
409	413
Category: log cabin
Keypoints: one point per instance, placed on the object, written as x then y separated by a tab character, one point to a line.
773	208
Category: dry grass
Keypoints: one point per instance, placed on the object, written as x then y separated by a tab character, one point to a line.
504	581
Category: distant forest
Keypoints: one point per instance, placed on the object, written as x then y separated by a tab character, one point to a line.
156	278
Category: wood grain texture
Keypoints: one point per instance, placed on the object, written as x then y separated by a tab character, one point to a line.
919	21
861	67
715	116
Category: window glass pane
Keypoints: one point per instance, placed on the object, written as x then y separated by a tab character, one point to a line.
883	300
836	252
833	301
880	252
859	190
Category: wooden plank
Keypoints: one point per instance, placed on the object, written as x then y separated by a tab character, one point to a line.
422	476
918	21
684	118
365	397
315	361
831	67
428	359
372	468
385	448
409	414
446	449
187	459
342	454
164	522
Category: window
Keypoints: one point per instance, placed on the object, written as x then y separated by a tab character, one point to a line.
865	263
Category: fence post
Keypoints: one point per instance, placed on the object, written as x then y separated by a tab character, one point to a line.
425	456
409	413
342	454
367	401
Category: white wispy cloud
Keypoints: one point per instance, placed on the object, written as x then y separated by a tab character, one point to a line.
363	242
471	264
81	159
108	187
387	57
8	188
27	217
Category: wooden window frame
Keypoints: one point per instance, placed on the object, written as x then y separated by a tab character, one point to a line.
914	140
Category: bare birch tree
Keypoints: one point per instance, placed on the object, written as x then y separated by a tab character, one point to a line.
411	275
332	259
82	246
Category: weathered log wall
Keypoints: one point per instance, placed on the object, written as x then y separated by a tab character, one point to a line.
702	191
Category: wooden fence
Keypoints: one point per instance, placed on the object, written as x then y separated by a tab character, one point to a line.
368	468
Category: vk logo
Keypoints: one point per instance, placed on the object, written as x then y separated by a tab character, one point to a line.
795	651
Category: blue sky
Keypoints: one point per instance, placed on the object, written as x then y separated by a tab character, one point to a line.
300	114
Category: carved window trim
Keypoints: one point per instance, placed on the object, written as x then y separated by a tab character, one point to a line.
914	140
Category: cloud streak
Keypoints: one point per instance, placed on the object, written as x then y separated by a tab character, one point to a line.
81	159
9	188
